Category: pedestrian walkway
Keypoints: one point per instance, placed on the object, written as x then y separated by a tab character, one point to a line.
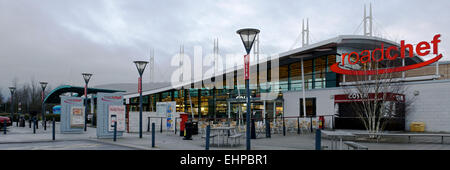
171	141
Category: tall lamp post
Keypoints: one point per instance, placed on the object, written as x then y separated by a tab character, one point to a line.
140	65
12	90
86	77
43	85
248	36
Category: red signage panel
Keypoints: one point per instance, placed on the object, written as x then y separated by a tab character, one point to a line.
247	66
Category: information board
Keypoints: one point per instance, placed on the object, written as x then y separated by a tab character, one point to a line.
77	117
116	113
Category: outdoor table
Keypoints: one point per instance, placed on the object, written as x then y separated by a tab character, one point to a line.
221	130
335	135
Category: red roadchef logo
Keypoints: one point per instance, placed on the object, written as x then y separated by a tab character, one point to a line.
110	98
72	101
422	49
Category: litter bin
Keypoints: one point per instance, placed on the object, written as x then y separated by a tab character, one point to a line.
22	121
194	128
188	131
417	127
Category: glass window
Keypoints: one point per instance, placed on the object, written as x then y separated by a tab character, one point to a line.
310	107
296	76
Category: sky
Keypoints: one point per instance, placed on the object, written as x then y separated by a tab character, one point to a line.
55	41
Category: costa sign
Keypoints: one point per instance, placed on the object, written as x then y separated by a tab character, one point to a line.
366	56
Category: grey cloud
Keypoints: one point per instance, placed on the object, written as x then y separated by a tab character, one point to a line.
55	40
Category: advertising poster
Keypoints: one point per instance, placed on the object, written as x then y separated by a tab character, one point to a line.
77	117
171	109
116	113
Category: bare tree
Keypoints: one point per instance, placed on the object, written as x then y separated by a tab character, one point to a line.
2	102
379	97
28	95
1	97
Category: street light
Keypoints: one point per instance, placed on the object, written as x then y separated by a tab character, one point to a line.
12	90
248	36
140	65
86	77
43	85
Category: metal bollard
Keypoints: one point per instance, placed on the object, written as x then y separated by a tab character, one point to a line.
175	125
45	124
148	124
252	129
30	121
208	130
153	135
53	129
160	129
34	125
298	125
267	128
318	139
115	131
4	127
284	127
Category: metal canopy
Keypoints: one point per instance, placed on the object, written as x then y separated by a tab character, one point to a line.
53	96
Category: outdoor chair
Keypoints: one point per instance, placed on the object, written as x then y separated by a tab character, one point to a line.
235	136
233	123
291	125
305	125
314	122
302	127
203	126
280	126
259	127
273	127
211	135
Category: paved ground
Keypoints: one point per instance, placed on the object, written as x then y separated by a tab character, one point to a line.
63	145
22	138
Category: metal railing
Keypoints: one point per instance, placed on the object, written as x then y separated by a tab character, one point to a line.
278	125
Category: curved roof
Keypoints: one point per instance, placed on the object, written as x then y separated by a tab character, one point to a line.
344	40
302	52
53	96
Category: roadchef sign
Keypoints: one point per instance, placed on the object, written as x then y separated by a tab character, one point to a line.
366	56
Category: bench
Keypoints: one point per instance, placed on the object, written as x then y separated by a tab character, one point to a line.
355	146
409	135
